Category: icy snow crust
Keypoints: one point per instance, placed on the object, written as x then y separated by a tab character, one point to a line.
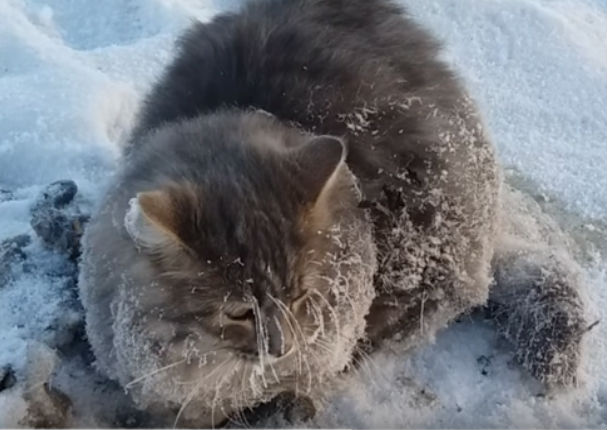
71	76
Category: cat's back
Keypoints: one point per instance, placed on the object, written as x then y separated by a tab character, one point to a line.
306	61
360	69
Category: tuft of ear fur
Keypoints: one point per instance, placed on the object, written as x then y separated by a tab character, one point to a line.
151	221
318	162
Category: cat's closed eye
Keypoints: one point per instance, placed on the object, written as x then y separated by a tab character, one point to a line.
237	310
298	303
241	314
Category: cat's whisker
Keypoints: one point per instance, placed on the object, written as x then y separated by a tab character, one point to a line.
332	311
261	340
234	418
195	390
218	385
314	354
237	416
307	348
305	360
375	372
324	345
346	291
243	392
155	372
241	404
276	377
320	340
317	309
200	364
288	314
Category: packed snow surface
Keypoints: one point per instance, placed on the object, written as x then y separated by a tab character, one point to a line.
73	71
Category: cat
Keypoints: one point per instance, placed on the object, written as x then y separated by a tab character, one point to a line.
307	179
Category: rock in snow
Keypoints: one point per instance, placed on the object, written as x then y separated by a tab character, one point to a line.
58	225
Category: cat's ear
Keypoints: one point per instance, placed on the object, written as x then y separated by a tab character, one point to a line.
318	162
151	221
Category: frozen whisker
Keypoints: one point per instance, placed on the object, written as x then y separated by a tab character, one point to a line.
218	385
262	344
243	395
196	389
374	373
155	372
296	329
324	345
288	314
319	319
332	311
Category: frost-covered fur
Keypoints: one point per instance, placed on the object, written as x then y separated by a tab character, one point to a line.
167	299
396	241
537	307
536	299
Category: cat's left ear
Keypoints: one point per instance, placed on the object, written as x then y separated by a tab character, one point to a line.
152	221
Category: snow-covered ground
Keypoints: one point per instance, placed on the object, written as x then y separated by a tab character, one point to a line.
72	73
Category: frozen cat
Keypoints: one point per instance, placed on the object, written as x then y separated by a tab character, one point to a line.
306	178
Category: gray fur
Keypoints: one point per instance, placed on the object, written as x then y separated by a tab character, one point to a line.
536	305
145	313
408	221
537	300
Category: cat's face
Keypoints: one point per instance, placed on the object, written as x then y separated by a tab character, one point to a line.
263	275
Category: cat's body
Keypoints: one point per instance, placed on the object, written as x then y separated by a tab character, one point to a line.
393	236
358	69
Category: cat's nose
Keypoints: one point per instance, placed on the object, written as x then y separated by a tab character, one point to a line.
244	332
241	335
276	338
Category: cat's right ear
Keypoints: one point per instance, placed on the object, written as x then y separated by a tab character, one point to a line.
151	221
318	162
329	185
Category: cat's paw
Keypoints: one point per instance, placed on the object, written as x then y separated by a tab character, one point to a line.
537	307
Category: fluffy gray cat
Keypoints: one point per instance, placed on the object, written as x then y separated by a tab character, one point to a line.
305	180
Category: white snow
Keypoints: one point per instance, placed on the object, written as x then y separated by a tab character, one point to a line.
73	71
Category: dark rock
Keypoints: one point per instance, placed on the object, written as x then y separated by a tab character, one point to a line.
6	195
484	363
293	409
59	193
11	252
60	227
300	409
14	245
7	378
130	418
58	230
48	408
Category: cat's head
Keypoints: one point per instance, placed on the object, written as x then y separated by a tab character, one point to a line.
262	259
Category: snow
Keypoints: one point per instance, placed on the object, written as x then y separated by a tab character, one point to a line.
72	74
538	68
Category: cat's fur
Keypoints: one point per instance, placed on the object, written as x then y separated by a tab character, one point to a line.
235	211
228	221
